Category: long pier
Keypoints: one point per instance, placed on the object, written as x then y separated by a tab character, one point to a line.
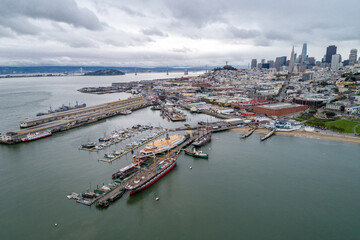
269	134
247	134
131	150
73	118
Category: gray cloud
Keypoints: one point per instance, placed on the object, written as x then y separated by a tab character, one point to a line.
155	32
131	12
242	33
66	11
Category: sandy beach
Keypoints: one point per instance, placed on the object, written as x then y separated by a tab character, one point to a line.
302	133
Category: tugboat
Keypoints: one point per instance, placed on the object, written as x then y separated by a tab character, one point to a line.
198	154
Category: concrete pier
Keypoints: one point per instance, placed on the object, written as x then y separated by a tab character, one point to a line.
66	120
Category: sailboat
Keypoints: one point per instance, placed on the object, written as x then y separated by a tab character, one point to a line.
204	139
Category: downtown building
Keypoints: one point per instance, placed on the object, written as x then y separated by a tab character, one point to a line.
330	51
353	57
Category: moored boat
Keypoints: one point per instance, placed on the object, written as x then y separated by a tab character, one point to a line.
202	140
36	135
128	170
125	112
109	155
198	154
163	145
146	178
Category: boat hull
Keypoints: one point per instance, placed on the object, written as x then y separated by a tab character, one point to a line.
153	180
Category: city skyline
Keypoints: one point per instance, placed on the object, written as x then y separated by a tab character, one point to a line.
158	33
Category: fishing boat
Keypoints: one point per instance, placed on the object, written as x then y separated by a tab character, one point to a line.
202	140
146	177
198	154
163	145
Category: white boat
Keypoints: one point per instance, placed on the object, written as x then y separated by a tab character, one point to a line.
36	135
109	155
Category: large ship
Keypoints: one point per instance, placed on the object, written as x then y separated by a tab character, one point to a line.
201	141
62	109
36	135
146	177
162	145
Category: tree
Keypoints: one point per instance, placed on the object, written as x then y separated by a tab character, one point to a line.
330	114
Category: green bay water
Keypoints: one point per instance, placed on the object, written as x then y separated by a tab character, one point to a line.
283	188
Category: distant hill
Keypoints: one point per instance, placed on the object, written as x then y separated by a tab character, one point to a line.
105	72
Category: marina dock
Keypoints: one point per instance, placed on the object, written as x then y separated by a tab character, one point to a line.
131	150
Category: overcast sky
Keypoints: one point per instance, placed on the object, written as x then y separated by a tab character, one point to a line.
175	33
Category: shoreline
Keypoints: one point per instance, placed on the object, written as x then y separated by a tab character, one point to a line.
298	133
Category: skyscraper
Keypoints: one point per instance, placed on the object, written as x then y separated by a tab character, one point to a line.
330	50
352	57
271	63
279	62
253	63
335	59
292	61
303	54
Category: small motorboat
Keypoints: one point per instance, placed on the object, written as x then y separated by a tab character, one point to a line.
109	155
